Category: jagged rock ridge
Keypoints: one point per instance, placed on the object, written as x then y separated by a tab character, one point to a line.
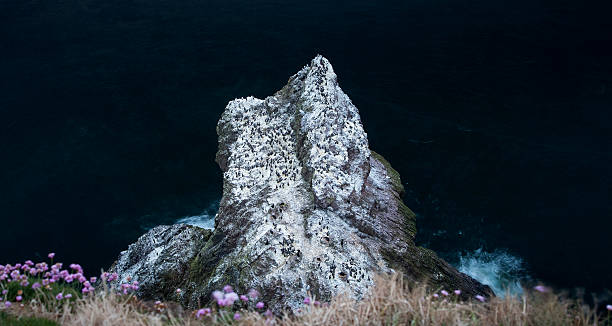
307	207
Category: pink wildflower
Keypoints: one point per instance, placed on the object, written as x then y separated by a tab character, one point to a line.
244	298
51	255
93	279
36	286
444	293
4	292
68	296
307	300
231	298
202	312
435	295
480	298
228	289
609	307
59	296
178	291
268	314
218	295
18	298
237	316
7	304
253	294
457	292
259	305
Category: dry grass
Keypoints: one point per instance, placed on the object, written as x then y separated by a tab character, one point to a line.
391	302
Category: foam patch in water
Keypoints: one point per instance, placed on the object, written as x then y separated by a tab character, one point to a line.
500	270
206	220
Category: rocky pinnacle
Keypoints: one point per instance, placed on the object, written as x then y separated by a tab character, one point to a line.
307	208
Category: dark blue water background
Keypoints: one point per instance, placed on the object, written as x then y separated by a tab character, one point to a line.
496	113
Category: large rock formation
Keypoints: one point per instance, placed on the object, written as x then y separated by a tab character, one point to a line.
306	207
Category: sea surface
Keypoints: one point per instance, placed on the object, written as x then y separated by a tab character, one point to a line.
496	113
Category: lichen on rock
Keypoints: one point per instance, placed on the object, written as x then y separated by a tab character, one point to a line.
307	207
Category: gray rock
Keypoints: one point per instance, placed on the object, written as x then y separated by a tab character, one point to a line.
307	209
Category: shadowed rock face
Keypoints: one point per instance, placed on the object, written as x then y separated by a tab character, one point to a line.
307	207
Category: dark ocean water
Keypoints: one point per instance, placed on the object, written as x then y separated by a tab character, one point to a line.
496	113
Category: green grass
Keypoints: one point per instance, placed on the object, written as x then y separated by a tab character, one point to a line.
8	320
42	295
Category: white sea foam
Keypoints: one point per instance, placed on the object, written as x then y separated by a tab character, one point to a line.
500	270
206	220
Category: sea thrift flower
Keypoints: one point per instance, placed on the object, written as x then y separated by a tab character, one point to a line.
542	288
435	295
93	279
68	296
200	313
244	298
480	298
307	300
259	305
444	293
268	314
317	303
228	289
178	291
231	298
4	292
18	298
51	255
609	307
218	295
253	294
237	316
7	304
457	292
59	296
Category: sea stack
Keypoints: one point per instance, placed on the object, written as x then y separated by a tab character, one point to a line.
307	209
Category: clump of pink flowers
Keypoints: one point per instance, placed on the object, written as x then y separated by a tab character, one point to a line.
227	300
48	278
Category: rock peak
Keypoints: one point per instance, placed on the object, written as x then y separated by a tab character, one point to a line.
307	207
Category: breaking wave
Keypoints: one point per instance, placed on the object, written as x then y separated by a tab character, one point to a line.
500	270
206	220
